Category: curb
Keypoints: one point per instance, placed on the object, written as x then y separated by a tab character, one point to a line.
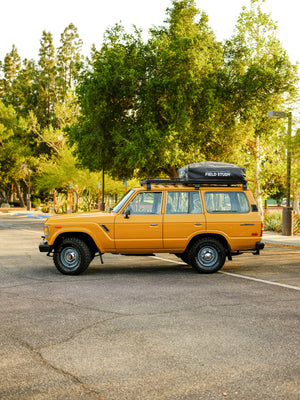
277	239
290	246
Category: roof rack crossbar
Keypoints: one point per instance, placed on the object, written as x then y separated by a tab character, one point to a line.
197	182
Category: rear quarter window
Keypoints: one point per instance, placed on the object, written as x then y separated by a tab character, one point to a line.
226	202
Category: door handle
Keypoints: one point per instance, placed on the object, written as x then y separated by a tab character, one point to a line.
198	223
154	224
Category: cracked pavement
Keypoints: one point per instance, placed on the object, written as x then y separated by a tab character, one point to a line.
144	328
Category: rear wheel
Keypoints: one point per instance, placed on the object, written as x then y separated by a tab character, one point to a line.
207	255
72	256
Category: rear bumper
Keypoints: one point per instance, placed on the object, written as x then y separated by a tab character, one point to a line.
259	246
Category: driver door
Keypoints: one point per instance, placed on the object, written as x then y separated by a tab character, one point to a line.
139	230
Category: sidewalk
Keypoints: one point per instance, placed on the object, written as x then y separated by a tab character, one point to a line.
278	239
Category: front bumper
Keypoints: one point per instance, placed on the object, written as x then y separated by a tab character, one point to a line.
44	248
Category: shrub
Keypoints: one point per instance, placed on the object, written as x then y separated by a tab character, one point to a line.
36	203
45	208
296	224
273	222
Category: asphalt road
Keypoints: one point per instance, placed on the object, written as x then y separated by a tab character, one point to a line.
146	327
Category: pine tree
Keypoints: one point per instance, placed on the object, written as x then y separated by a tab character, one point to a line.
69	58
46	81
11	68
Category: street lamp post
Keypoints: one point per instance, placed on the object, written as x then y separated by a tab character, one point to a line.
102	208
287	211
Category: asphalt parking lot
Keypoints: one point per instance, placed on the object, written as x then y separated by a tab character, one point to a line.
146	327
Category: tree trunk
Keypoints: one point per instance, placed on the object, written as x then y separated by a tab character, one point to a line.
171	171
17	186
11	192
3	194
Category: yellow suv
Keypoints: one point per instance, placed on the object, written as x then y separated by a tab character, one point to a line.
200	220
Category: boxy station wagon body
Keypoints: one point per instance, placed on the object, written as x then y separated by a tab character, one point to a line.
201	223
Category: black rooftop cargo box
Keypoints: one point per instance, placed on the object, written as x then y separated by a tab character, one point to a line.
213	172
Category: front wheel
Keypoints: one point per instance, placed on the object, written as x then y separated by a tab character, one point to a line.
207	255
72	256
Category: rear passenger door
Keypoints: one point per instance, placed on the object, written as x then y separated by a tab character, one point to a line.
183	218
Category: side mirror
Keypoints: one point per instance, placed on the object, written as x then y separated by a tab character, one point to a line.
127	213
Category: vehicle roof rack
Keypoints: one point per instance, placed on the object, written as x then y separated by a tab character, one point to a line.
191	182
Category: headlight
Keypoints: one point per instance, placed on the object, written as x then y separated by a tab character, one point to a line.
46	230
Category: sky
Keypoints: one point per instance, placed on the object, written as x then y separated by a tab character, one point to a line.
23	21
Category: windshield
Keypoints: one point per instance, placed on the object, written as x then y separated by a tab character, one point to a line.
118	207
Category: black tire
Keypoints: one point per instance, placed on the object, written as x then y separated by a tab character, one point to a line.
72	256
207	255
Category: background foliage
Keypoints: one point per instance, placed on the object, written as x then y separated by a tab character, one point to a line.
137	107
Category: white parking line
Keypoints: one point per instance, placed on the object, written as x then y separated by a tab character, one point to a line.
239	276
260	280
171	261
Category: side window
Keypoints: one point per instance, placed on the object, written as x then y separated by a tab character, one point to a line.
195	203
243	202
226	202
183	202
146	203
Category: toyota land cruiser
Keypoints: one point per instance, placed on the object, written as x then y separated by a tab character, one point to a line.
202	221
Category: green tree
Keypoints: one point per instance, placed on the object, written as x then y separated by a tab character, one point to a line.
59	172
10	68
262	79
182	114
49	137
46	85
40	104
69	58
150	108
106	93
12	65
168	95
13	152
23	91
